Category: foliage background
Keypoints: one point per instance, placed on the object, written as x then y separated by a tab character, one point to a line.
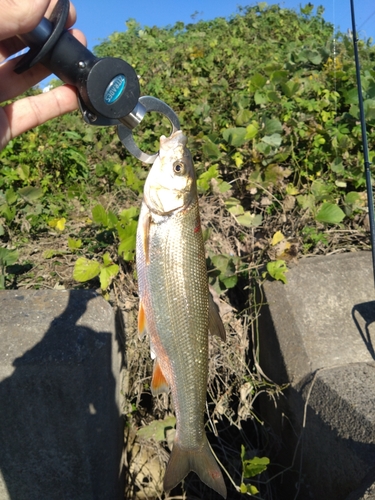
268	99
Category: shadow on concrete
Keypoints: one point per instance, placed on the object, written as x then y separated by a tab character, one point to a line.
366	311
313	462
60	426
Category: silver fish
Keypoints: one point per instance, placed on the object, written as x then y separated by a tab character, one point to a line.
176	308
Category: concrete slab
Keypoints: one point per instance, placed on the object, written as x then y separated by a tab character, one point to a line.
317	333
61	431
367	489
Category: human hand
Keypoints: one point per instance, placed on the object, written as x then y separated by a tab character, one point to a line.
18	17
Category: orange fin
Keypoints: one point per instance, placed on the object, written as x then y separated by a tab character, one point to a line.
145	222
202	462
141	320
158	383
215	324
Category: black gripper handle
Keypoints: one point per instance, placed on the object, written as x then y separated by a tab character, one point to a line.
108	87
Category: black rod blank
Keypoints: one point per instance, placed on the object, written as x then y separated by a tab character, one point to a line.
370	199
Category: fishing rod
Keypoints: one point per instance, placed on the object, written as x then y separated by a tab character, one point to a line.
370	199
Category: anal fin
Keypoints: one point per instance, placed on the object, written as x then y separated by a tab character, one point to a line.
158	383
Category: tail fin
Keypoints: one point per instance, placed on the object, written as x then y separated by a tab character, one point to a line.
202	462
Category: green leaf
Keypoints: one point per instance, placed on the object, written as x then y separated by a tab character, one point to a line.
211	150
23	171
273	140
353	198
127	247
252	130
277	269
279	76
85	269
235	136
369	108
129	214
30	193
72	135
314	57
112	219
77	156
107	274
10	196
273	96
330	213
8	257
107	261
236	210
157	429
260	98
229	282
338	167
224	187
204	179
99	215
306	201
74	244
8	212
250	220
254	466
257	81
321	190
49	254
290	88
272	126
351	96
310	55
243	116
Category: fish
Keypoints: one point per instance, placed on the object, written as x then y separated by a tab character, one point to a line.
176	309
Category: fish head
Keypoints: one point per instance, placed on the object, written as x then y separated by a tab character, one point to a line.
171	182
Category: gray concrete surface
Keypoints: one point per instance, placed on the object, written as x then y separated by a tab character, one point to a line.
61	433
317	333
366	491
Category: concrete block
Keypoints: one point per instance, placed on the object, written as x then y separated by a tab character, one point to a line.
317	333
367	489
61	431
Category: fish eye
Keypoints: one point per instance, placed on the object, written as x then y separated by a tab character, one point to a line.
179	167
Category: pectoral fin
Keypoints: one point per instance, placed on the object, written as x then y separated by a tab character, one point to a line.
141	321
158	383
144	225
215	324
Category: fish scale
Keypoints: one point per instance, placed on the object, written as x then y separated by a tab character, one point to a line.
177	274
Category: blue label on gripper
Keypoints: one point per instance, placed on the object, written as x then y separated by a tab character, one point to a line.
114	89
